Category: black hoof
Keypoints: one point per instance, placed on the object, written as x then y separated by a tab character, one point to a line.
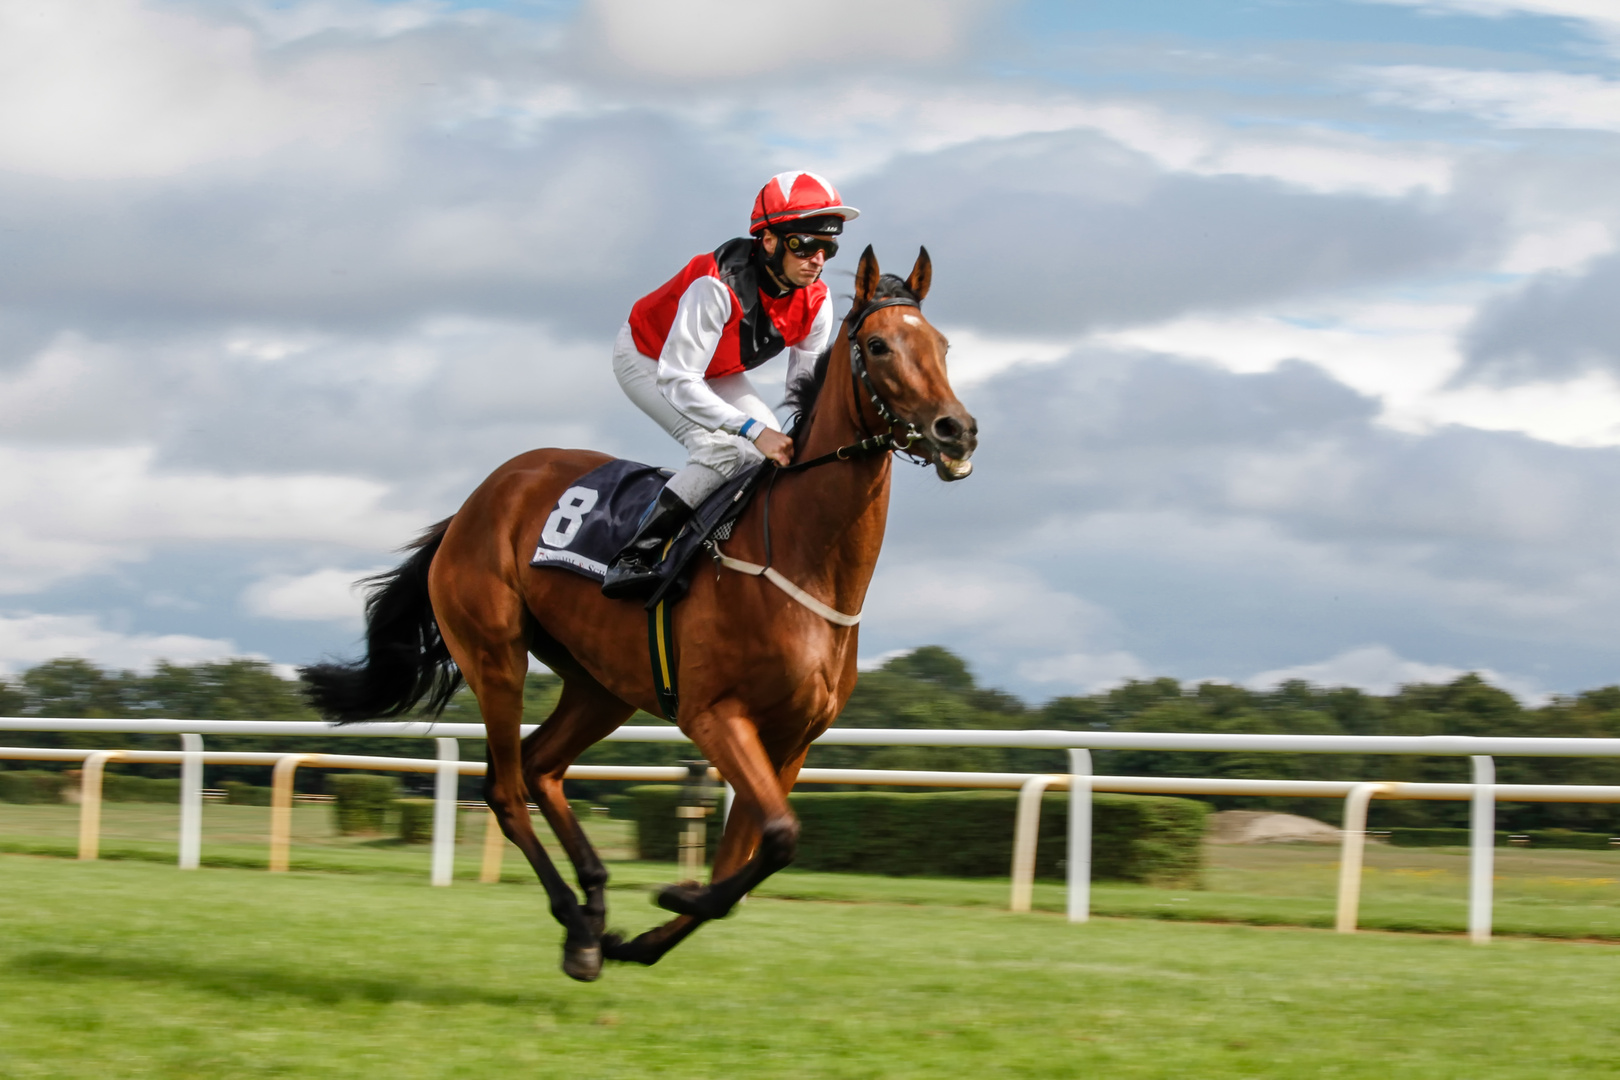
583	963
635	951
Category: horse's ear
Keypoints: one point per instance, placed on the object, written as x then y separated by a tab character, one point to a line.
866	277
922	275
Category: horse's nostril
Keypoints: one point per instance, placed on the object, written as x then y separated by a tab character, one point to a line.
947	428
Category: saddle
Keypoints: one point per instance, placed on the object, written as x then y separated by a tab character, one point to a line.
599	512
598	515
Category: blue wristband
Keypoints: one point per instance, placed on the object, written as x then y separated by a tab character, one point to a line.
747	426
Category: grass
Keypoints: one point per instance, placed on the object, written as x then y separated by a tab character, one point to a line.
130	970
1546	893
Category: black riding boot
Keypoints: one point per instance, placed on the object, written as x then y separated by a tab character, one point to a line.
633	573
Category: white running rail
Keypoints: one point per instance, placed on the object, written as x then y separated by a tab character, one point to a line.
1482	794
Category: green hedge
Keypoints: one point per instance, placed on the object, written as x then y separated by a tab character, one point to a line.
959	833
1541	838
30	786
242	793
117	787
362	801
415	820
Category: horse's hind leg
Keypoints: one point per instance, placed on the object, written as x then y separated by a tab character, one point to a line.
585	713
485	637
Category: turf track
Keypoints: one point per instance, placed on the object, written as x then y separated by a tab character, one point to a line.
124	969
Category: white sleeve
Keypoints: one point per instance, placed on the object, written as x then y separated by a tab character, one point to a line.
803	356
700	319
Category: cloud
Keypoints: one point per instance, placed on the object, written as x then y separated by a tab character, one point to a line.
1512	99
1113	241
1557	327
70	512
330	595
153	92
1378	670
724	40
27	639
1002	616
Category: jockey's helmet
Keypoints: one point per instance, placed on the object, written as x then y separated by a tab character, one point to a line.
809	201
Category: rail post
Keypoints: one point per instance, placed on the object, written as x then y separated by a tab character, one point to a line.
191	782
1481	849
1026	831
1352	845
90	802
281	793
1079	835
489	872
445	784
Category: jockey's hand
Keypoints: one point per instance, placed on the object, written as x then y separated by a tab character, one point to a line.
776	446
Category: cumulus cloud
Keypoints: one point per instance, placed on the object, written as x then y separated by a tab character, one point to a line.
329	595
1557	326
1378	670
70	512
29	638
742	39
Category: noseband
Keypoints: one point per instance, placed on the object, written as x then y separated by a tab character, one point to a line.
863	379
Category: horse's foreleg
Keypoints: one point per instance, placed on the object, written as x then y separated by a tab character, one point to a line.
585	713
762	835
731	863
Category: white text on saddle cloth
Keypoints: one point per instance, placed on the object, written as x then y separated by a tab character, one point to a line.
563	524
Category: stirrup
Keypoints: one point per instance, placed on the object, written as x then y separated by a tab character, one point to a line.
629	579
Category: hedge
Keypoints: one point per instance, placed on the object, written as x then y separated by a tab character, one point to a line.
117	787
959	834
1542	838
416	820
362	801
30	786
242	793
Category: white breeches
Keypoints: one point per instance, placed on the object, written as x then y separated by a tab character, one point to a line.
713	457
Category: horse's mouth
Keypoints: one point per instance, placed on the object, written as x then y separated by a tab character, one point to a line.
951	469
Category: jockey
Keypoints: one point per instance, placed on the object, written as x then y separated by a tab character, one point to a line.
683	355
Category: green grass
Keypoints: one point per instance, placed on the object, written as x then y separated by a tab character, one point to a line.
1547	893
126	969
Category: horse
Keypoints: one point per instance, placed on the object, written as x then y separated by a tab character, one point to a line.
761	672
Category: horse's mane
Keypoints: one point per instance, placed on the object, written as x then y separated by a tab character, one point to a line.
800	397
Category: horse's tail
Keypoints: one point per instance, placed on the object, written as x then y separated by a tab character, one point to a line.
406	659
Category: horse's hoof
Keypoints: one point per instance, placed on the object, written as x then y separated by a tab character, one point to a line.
582	963
681	899
633	951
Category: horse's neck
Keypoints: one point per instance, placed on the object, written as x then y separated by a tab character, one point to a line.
828	521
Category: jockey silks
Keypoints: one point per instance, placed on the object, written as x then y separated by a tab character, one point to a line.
759	324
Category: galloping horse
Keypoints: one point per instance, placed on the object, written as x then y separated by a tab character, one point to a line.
761	673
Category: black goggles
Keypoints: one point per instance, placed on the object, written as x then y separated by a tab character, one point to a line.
805	245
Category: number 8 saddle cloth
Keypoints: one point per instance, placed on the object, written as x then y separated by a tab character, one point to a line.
599	512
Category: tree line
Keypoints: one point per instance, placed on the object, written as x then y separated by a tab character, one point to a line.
933	688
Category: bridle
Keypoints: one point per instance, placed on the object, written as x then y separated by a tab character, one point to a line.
861	379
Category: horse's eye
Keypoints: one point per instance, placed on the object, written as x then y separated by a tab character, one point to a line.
877	346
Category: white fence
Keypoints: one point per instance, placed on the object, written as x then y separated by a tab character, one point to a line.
1483	793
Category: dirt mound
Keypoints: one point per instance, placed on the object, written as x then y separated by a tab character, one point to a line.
1261	827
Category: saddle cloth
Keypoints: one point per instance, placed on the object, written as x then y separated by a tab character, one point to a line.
599	512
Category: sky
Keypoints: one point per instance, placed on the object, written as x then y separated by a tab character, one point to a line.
1291	326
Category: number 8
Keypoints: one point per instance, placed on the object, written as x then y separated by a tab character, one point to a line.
563	524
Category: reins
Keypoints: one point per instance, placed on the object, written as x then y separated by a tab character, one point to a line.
871	446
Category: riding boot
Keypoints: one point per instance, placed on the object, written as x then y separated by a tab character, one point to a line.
633	573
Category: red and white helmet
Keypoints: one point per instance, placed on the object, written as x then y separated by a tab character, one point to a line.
791	196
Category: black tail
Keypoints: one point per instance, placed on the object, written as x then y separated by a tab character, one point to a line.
406	659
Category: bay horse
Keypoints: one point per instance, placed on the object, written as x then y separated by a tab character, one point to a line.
760	673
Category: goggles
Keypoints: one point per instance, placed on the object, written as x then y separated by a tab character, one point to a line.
805	245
